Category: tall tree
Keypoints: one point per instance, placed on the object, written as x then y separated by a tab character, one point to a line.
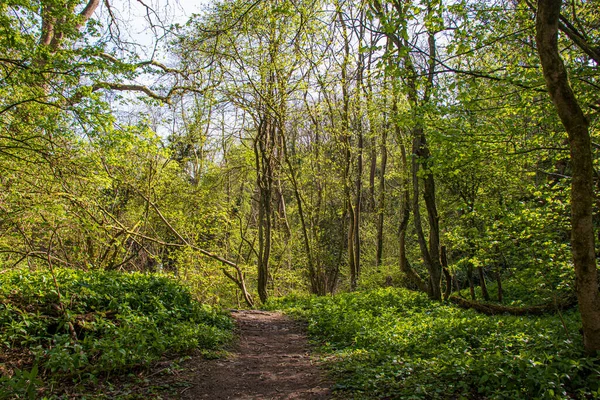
417	69
582	186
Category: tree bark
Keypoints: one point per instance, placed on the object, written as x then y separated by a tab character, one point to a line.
55	20
357	208
371	205
381	200
582	191
482	284
499	285
405	267
470	279
429	248
263	151
447	275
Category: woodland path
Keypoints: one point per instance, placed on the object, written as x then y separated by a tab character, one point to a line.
270	361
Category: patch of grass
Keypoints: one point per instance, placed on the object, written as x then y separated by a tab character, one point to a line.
393	343
95	323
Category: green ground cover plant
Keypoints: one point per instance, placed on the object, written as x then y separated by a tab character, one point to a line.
397	344
78	325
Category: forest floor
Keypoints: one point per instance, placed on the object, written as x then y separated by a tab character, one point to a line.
271	360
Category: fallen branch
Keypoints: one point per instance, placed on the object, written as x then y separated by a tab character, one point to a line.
496	309
239	281
180	237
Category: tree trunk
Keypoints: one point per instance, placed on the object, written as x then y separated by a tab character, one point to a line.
482	284
381	200
263	151
371	204
405	267
317	286
353	213
496	309
499	285
456	284
429	249
240	281
418	96
470	279
357	208
351	259
444	260
582	191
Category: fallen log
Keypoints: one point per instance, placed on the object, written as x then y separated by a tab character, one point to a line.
495	309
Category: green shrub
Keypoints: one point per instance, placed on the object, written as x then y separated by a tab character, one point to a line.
393	343
101	322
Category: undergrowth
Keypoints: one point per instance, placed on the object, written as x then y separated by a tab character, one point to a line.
529	287
91	324
396	344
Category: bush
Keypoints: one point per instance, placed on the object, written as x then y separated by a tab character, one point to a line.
393	343
96	322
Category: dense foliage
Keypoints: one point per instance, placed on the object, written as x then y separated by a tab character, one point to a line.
78	325
394	343
305	147
276	147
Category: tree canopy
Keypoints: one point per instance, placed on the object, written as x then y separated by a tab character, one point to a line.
288	146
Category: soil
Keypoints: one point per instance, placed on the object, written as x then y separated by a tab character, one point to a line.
271	360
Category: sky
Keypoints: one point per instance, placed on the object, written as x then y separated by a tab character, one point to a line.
135	27
136	18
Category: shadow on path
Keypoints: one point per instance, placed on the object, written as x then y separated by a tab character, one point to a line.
271	361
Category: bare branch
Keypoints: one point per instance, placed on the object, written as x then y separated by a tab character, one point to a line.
139	88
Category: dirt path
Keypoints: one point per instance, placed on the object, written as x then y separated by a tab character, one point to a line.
271	361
